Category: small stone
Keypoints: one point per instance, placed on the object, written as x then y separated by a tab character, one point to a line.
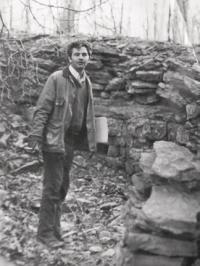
107	206
105	95
104	240
2	128
192	110
4	140
3	196
113	151
172	209
95	249
108	253
104	236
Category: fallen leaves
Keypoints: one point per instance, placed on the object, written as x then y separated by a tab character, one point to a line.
92	221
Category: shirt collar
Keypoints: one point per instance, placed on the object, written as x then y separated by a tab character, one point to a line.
76	74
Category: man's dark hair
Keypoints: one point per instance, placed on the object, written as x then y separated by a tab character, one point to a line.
78	44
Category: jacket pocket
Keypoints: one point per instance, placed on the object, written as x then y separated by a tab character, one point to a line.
53	135
58	109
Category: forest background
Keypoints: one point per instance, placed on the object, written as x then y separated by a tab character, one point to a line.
159	20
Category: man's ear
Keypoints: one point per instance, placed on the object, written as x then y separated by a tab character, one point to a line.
69	59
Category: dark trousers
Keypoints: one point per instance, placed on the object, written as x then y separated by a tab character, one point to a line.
55	186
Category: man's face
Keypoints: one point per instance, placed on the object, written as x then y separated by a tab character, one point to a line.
79	58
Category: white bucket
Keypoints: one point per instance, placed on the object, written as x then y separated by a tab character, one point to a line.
101	129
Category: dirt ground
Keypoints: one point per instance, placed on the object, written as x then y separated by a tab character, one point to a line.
92	220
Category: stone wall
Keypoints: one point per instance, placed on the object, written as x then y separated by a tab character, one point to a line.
149	91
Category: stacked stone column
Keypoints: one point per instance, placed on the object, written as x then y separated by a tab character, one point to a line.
161	213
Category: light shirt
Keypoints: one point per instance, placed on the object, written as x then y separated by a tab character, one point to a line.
76	75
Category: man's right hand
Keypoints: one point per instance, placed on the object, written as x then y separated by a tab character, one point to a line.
33	142
34	146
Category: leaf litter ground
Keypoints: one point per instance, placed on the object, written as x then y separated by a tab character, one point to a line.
92	220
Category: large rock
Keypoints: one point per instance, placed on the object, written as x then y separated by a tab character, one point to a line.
95	65
5	262
101	50
139	259
146	98
142	223
160	245
115	84
173	209
186	86
138	86
101	77
171	95
171	161
150	76
184	69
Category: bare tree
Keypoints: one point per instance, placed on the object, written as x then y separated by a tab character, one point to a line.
184	5
169	24
113	19
67	17
11	15
27	15
121	18
3	25
175	23
155	20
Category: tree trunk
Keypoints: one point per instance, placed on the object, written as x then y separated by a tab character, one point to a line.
27	14
67	20
169	25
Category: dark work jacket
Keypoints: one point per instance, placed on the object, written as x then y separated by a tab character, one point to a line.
53	113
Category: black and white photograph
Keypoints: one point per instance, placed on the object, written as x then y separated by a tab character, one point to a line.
99	132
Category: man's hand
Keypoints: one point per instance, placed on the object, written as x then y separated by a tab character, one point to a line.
34	146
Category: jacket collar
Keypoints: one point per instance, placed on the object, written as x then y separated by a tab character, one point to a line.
67	74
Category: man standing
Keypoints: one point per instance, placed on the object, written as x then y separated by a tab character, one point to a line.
64	118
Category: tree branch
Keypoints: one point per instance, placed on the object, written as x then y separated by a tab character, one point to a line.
70	9
31	12
3	24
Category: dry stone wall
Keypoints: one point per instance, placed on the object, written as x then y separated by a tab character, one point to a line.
149	91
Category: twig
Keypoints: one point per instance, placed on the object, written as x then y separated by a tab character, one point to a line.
71	9
27	167
3	24
78	165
